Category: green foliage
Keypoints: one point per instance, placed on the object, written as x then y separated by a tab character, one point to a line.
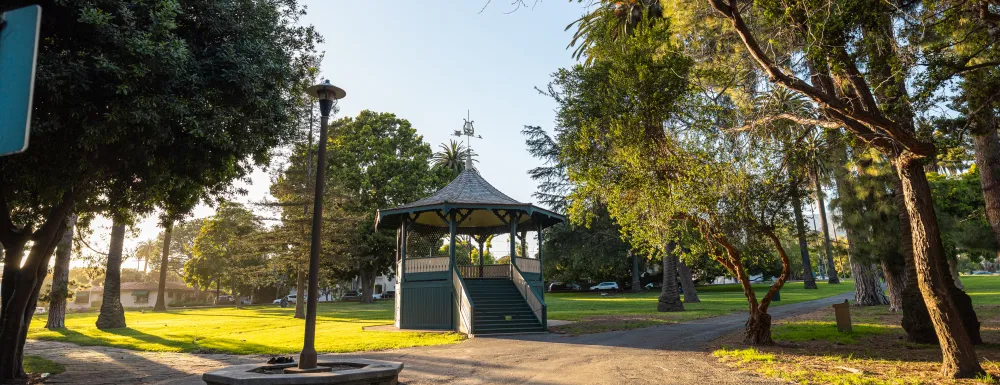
452	157
375	161
227	249
960	208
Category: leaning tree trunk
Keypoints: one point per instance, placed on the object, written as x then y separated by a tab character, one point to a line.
895	281
112	313
300	289
670	299
687	283
161	301
831	268
959	356
636	282
867	290
809	280
916	319
367	284
60	278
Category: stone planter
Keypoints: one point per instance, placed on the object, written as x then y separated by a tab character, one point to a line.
342	371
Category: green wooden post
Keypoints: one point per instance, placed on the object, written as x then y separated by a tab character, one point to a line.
451	245
541	271
402	254
513	242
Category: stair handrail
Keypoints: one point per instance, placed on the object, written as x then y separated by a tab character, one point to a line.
536	303
463	303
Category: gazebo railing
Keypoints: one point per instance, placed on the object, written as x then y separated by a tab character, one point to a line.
488	271
426	265
536	304
529	265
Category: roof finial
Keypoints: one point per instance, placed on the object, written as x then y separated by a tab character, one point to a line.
469	132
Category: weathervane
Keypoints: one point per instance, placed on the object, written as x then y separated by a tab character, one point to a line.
469	132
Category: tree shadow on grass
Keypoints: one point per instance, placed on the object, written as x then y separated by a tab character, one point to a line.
186	345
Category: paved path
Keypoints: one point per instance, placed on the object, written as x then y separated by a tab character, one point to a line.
667	354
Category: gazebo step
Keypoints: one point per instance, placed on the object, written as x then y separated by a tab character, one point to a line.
507	330
507	325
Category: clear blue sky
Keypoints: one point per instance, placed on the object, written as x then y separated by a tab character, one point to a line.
429	62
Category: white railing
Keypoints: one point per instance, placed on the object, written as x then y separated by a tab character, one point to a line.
529	265
426	265
537	304
463	305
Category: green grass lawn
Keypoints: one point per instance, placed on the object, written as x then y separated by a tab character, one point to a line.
253	330
597	313
811	350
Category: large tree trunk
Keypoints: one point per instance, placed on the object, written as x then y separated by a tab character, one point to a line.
112	313
22	280
300	290
809	280
636	282
758	329
367	275
895	280
218	291
670	299
161	301
687	283
867	290
959	355
60	278
987	146
831	270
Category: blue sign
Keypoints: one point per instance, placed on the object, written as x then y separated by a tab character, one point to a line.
18	54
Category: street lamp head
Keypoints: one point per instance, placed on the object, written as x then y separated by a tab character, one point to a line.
327	94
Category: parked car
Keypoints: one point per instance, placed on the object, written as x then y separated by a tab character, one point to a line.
606	286
225	299
559	286
981	272
391	294
351	296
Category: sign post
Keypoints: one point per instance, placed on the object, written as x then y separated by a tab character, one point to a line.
18	55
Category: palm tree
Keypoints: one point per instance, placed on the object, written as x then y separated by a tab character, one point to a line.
623	16
147	249
452	157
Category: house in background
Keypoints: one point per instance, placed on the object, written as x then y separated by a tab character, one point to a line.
135	295
383	283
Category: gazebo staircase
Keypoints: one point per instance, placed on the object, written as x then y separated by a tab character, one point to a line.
500	308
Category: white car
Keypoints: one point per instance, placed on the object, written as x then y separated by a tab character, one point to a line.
290	298
605	286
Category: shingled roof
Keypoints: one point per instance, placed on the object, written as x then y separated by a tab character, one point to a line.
468	187
476	200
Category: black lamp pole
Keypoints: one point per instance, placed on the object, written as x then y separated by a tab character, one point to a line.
327	95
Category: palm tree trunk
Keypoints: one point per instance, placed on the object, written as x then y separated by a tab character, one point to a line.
831	269
60	278
687	283
161	303
112	313
670	299
809	280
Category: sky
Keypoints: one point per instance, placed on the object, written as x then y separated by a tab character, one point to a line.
432	63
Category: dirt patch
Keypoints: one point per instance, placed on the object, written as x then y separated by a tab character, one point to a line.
876	353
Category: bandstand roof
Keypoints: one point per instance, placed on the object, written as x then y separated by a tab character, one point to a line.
479	205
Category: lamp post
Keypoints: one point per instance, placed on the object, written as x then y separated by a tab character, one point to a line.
328	94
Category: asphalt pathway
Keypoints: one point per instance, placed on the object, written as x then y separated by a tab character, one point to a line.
666	354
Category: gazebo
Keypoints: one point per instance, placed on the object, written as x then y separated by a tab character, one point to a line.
436	292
